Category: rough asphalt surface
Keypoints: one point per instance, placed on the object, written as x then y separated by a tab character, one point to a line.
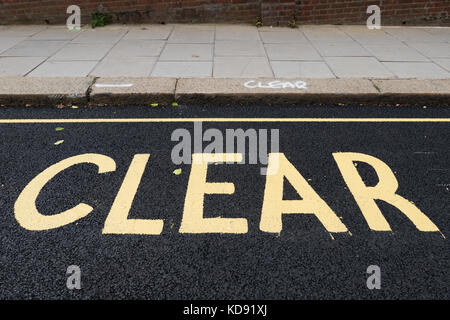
302	262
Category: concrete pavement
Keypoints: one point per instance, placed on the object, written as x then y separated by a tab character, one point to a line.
225	51
145	64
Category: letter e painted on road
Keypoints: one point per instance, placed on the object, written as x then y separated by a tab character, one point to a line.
25	209
193	221
385	190
274	206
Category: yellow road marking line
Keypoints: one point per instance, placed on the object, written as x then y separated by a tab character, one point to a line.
163	120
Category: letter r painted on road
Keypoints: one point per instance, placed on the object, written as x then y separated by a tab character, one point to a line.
25	209
193	221
385	190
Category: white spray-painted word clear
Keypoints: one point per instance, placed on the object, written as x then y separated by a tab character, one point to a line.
253	84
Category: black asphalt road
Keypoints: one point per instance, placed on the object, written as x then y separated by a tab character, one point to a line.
302	262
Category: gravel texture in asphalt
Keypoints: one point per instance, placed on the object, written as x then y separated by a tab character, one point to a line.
304	261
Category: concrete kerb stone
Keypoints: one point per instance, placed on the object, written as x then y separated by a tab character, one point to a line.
414	91
315	91
20	91
132	91
280	91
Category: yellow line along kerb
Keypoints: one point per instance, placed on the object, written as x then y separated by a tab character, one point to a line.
164	120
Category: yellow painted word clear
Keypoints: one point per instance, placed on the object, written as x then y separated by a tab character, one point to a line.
193	221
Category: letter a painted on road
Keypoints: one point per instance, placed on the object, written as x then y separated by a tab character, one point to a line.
274	206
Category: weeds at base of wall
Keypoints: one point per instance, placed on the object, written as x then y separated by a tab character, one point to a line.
100	19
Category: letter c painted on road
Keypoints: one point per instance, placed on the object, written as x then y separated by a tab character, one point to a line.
25	209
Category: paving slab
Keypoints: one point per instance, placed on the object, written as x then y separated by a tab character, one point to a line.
239	48
149	32
371	37
432	49
191	35
242	67
357	67
63	69
101	36
340	49
21	31
411	34
441	34
277	29
83	51
9	42
124	67
237	33
187	52
133	91
200	26
137	48
395	53
353	28
34	48
292	51
283	37
301	69
20	91
56	33
325	33
444	63
183	69
18	66
421	70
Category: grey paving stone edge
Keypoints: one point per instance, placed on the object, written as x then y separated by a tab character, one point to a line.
85	92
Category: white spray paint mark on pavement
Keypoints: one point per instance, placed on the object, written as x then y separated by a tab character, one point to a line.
253	84
122	85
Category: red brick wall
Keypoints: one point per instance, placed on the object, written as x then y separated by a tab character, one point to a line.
392	11
273	12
